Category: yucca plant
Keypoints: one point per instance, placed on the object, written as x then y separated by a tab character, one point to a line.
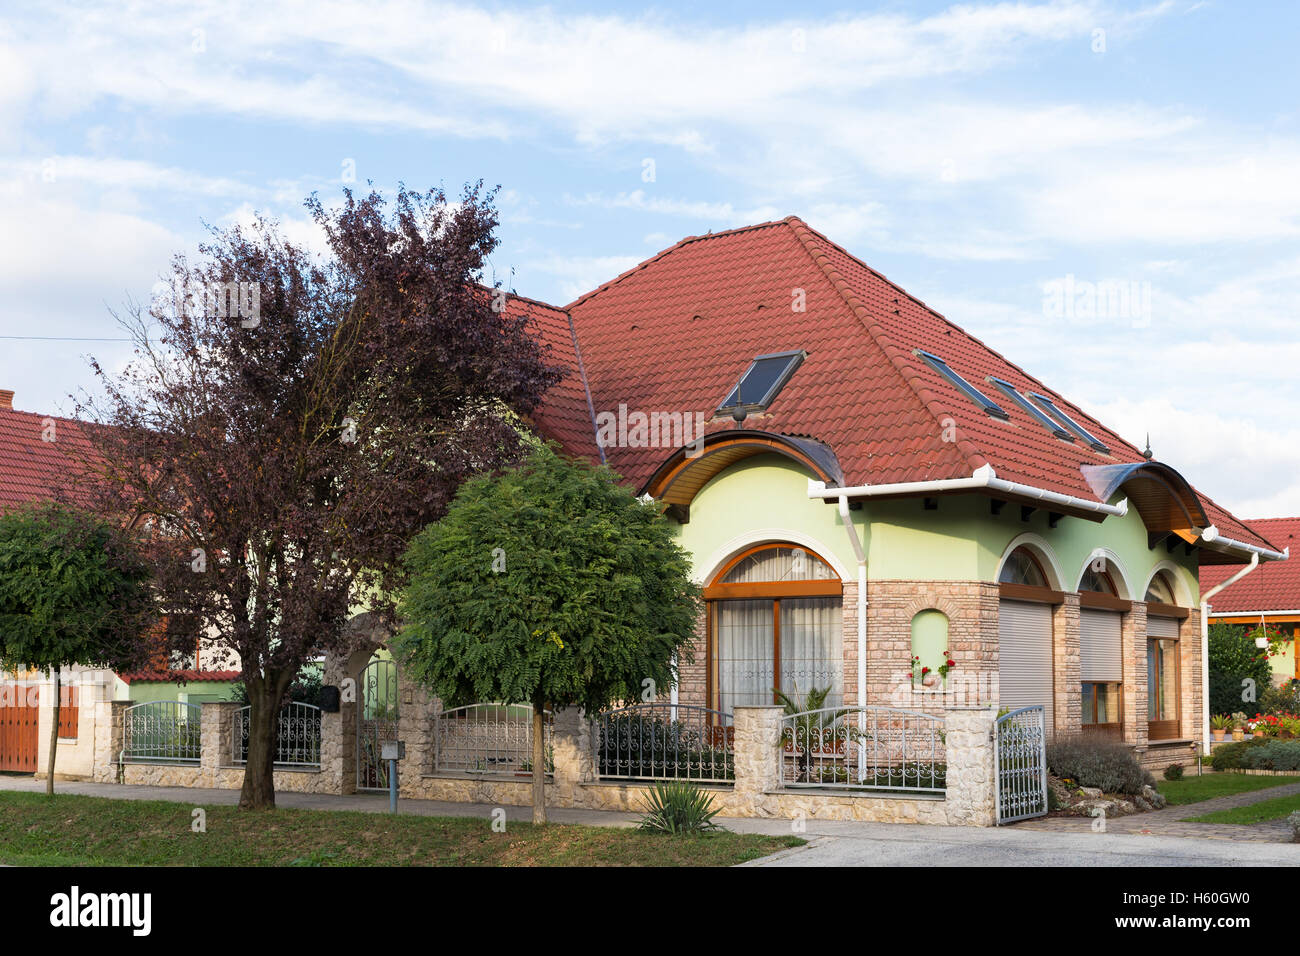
679	808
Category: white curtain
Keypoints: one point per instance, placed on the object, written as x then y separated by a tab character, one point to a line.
811	647
745	653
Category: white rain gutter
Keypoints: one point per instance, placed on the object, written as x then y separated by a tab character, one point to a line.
1205	644
983	477
1212	534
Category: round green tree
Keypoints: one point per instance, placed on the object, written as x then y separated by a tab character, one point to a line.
1239	671
73	591
550	584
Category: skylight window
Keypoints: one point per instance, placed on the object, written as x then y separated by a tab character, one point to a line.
963	386
1049	406
764	378
1012	393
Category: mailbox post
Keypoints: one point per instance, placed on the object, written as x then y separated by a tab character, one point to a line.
393	751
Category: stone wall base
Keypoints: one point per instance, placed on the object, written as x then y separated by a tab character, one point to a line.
223	778
1157	757
632	798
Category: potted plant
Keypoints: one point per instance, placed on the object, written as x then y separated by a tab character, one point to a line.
1238	726
1220	724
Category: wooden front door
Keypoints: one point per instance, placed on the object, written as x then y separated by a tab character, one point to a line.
18	727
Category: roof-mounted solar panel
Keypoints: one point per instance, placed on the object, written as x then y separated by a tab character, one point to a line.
1050	407
762	381
963	386
1034	411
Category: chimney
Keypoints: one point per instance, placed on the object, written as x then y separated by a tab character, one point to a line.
6	398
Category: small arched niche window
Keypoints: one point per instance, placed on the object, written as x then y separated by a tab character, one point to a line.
1021	567
929	643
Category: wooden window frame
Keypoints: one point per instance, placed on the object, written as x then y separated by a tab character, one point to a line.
1169	729
776	590
1112	728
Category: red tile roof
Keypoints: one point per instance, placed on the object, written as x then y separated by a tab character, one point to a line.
32	469
1273	586
675	333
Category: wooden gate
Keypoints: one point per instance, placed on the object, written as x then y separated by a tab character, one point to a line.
18	727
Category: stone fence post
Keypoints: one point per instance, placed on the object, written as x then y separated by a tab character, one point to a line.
757	748
218	732
109	739
575	763
970	800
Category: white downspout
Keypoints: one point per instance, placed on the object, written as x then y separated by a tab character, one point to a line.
1205	647
847	519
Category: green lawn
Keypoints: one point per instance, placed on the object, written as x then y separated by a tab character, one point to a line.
1274	809
71	830
1195	789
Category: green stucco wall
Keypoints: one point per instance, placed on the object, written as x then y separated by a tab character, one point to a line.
766	498
196	692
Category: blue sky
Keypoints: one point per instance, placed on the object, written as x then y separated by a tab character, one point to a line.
978	155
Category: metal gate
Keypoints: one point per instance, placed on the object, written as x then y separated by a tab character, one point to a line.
376	721
1020	764
18	729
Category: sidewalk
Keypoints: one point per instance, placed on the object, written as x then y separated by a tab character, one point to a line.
1167	822
831	843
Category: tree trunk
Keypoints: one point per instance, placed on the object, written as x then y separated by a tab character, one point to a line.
539	764
54	739
258	791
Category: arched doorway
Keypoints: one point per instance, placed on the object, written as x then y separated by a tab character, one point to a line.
377	706
775	622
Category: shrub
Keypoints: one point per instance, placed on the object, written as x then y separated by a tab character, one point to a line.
1104	764
679	809
1279	701
1273	755
1174	772
1229	756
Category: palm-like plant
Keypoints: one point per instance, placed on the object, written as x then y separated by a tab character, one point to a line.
807	732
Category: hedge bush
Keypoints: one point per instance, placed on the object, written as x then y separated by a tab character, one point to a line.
1229	756
1273	755
1107	765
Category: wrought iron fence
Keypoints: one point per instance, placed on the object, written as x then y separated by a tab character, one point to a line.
162	731
489	739
864	748
665	741
297	735
1020	768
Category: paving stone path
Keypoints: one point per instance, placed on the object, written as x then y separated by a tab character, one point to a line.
1168	822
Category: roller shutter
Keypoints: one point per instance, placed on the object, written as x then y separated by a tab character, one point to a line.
1025	656
1162	627
1100	640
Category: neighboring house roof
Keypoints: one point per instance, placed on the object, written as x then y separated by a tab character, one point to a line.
32	469
177	676
1272	587
675	333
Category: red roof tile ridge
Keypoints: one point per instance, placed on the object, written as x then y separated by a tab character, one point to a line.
659	255
807	237
1245	523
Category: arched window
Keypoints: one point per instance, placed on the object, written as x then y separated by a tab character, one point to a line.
775	624
1021	567
1097	582
1161	589
1164	710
